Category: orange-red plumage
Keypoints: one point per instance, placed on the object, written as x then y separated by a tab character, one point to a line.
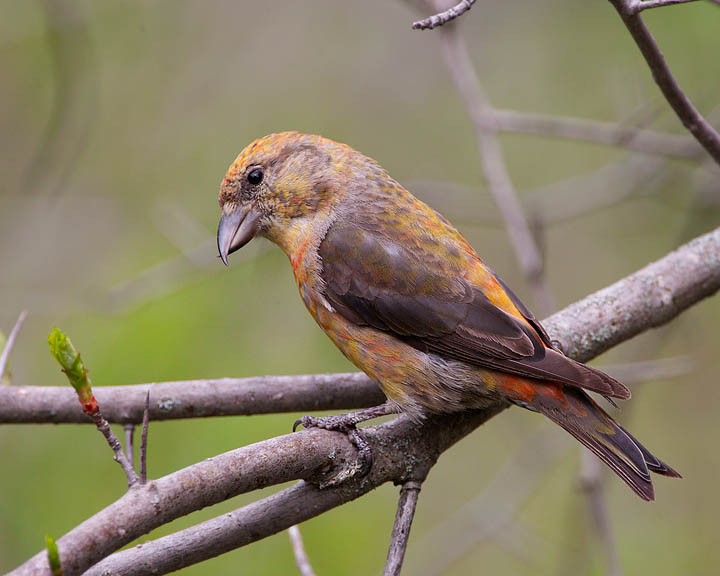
405	297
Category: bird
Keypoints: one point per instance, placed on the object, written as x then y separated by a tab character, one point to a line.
406	299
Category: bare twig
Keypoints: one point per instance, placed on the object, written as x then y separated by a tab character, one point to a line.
194	398
5	356
144	439
407	503
118	455
129	435
629	11
301	557
608	133
641	5
648	298
443	17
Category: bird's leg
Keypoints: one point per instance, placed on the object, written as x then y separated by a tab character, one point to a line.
347	423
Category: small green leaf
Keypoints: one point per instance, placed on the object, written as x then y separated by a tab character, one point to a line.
53	555
68	357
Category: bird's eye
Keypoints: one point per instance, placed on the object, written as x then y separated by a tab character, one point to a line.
255	176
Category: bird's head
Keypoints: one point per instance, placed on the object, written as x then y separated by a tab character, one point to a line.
278	187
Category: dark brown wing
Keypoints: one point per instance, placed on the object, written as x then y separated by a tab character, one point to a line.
374	281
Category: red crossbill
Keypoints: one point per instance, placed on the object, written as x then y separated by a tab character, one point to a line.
404	296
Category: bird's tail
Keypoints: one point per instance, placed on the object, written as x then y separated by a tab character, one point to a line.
577	413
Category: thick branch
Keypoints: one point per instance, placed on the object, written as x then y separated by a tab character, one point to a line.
629	11
193	398
309	455
402	451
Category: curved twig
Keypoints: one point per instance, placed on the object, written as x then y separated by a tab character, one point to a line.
629	11
443	17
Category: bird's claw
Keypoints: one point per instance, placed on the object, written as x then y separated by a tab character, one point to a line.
346	424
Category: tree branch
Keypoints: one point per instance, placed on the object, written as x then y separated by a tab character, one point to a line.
193	398
629	11
402	450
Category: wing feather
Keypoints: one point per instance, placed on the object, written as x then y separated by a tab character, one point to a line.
374	281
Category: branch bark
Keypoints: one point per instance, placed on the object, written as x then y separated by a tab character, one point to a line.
193	398
402	450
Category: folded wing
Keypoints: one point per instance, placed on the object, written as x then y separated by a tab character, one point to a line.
372	280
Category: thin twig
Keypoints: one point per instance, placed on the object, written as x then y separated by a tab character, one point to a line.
608	133
5	356
443	17
407	503
641	5
144	439
629	11
118	455
298	547
129	436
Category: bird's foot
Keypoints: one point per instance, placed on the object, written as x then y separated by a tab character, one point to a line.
347	423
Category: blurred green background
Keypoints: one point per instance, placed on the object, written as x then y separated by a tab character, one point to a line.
117	123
